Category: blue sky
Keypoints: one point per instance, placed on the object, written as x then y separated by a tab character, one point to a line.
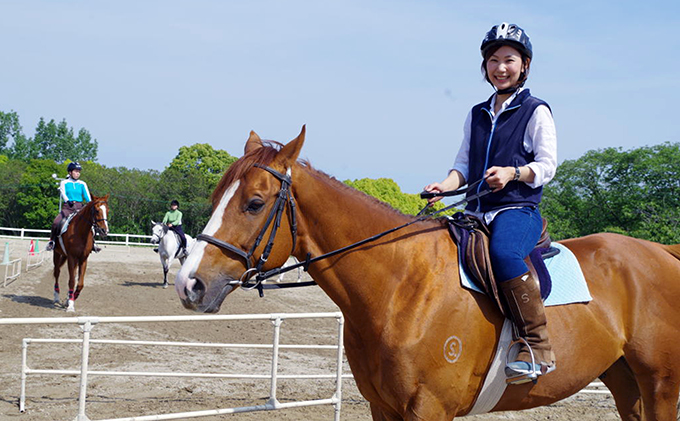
383	86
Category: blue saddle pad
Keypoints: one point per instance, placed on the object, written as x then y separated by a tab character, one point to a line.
568	283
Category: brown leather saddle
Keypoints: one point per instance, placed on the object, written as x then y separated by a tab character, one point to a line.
472	237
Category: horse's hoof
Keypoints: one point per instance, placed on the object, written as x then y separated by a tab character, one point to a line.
165	286
71	307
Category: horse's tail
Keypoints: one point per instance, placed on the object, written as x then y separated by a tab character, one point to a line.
673	249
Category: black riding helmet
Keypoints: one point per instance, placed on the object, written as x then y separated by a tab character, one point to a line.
74	166
506	34
174	202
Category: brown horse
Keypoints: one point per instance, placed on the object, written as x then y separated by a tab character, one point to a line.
401	298
75	246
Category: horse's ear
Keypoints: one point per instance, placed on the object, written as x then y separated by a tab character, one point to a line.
254	142
290	152
152	223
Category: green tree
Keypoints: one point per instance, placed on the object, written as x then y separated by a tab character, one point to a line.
10	173
132	195
634	192
37	198
57	142
388	191
201	157
11	132
191	178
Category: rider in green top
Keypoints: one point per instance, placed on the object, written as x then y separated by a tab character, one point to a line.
173	219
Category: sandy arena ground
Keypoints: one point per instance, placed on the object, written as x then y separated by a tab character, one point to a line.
128	283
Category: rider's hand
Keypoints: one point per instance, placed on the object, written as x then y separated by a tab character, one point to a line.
434	188
70	203
498	177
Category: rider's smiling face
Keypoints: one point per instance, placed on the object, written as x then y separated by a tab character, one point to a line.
75	174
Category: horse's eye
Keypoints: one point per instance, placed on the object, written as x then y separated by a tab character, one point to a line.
255	206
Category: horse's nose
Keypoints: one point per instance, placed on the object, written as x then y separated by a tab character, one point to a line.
194	291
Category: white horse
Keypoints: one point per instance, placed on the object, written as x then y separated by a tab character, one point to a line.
168	246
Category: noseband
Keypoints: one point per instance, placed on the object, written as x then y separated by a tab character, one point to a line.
275	215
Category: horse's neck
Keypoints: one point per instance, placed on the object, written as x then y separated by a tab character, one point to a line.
170	240
363	280
80	221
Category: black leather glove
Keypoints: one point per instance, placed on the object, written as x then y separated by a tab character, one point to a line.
70	203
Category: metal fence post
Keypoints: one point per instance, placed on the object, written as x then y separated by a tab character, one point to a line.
86	326
24	367
275	361
338	380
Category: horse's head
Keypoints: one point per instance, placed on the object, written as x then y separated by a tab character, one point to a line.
100	214
237	241
158	231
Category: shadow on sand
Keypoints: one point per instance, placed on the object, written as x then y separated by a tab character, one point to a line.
33	300
145	284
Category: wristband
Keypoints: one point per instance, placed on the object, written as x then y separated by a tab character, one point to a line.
517	174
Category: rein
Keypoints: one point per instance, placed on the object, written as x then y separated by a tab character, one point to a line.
285	197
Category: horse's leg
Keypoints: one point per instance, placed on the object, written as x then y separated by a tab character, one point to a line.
72	266
620	380
657	371
379	415
165	261
659	397
424	406
58	261
81	279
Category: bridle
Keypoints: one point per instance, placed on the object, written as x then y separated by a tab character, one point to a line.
95	222
284	197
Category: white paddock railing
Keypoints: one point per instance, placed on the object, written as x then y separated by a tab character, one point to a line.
12	271
88	323
35	259
42	234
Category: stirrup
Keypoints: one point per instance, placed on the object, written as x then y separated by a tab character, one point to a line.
517	375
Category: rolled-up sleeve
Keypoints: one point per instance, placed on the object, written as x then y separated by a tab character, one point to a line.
542	136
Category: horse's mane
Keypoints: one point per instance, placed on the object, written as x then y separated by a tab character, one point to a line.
265	155
88	207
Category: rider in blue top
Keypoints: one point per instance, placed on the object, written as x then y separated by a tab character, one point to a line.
73	193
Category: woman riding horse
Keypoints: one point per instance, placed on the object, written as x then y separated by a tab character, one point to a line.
173	219
509	141
403	304
73	193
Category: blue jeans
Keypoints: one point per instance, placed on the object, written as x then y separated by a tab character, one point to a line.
514	233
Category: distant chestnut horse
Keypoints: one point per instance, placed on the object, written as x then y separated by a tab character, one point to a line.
401	296
77	245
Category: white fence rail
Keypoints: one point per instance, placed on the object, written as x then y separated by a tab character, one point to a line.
42	234
12	271
35	259
88	323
